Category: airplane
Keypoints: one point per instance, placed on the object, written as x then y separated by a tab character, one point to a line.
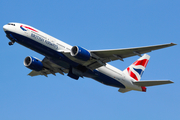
76	61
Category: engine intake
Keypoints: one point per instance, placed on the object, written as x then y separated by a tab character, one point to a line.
33	63
80	53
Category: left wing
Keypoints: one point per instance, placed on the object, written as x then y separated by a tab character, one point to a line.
101	57
49	68
116	54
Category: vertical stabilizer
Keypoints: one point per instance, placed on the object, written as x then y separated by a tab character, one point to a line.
136	70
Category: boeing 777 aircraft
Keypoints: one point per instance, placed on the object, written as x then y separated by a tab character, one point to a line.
78	62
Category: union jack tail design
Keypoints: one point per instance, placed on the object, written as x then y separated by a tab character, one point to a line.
136	70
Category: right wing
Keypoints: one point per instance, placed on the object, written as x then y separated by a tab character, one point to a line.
49	68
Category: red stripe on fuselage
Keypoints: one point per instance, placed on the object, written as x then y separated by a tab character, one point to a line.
31	29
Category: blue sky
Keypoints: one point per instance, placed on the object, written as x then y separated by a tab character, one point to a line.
101	24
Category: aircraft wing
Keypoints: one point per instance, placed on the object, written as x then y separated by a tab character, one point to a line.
101	57
115	54
49	68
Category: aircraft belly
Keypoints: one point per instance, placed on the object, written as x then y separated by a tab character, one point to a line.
44	50
103	78
27	42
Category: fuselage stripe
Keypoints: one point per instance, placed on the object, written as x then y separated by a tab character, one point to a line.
27	28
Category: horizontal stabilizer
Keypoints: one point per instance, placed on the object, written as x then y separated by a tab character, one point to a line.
152	83
122	90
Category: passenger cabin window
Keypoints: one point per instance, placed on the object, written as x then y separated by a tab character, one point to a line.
11	24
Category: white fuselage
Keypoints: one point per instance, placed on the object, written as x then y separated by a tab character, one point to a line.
59	46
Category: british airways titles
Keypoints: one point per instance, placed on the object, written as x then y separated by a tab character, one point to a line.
44	40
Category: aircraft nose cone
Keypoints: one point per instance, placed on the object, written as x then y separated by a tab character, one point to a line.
5	28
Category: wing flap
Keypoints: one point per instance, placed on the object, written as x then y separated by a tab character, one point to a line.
44	72
152	83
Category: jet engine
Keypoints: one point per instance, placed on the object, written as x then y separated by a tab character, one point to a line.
80	53
33	63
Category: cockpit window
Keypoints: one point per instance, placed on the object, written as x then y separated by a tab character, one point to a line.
11	24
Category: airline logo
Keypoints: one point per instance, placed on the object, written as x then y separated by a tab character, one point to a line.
24	28
137	68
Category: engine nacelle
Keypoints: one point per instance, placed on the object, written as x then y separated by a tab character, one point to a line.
33	63
80	53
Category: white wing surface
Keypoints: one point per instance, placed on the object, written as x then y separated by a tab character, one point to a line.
101	57
116	54
104	56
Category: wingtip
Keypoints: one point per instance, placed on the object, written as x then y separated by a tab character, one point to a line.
171	81
173	43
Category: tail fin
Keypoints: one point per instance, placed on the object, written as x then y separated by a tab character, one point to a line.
136	70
